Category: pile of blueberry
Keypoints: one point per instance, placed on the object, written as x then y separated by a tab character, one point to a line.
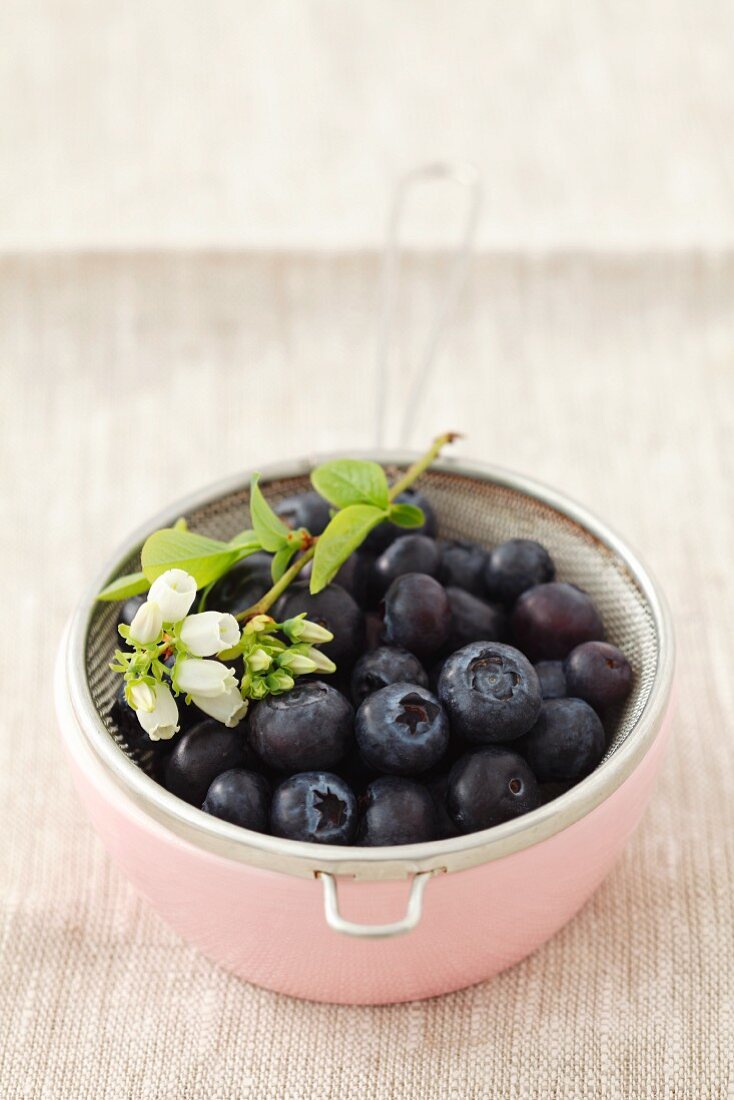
470	687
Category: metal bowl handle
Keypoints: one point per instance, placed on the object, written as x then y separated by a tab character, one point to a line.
337	922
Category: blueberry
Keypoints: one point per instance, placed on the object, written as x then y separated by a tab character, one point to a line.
566	742
552	679
241	797
396	811
463	565
373	631
242	586
552	619
379	539
514	566
445	825
337	611
417	614
411	554
491	692
382	666
200	755
599	673
307	510
305	728
473	620
402	729
314	806
489	786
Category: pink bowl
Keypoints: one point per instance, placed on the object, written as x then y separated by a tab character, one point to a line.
365	926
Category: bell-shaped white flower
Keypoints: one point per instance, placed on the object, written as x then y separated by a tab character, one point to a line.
147	623
174	592
156	710
229	707
197	677
209	632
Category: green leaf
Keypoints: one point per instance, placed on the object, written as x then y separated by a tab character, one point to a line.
281	561
346	481
132	584
246	538
204	558
406	515
269	528
347	530
181	524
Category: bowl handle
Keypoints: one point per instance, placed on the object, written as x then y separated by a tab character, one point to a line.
338	923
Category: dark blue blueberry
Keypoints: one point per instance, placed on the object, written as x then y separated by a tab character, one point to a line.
373	631
463	565
200	755
417	614
473	620
308	510
337	611
411	554
314	806
552	679
396	811
489	786
445	825
402	729
305	728
599	673
382	666
379	539
552	619
241	797
566	742
491	692
514	566
242	586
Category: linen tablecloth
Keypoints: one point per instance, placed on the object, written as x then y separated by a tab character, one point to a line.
130	380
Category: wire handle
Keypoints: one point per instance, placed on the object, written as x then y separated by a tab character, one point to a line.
338	923
467	178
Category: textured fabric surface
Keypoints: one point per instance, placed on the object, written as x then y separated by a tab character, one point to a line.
243	124
129	381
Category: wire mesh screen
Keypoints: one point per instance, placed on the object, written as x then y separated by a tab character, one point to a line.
466	508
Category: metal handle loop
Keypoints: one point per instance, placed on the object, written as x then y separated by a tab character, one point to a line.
338	923
464	177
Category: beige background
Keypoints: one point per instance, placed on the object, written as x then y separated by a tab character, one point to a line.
593	349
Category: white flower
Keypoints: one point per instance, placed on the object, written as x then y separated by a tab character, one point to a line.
209	632
197	677
229	707
147	623
321	661
156	710
174	592
259	661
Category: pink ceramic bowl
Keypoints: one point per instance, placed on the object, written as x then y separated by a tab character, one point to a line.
365	926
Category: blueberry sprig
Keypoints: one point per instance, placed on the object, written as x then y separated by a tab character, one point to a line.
170	651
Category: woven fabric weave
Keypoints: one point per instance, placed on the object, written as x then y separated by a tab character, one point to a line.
129	381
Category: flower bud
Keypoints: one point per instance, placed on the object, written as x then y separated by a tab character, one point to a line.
259	660
259	623
209	632
229	707
320	660
279	681
297	663
203	678
174	592
147	624
156	710
300	629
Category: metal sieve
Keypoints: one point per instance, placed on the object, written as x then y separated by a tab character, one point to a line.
472	501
